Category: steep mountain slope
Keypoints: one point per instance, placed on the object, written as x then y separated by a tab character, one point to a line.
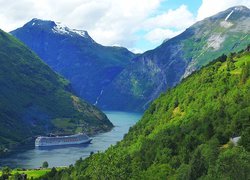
154	71
185	133
89	66
35	100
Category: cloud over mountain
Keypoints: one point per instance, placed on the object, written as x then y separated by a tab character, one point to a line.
124	22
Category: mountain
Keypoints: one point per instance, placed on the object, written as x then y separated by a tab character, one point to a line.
35	100
185	133
89	66
157	70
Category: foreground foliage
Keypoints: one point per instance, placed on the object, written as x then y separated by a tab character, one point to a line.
185	133
17	174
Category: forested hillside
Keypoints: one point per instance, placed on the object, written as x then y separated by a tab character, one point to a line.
185	134
34	100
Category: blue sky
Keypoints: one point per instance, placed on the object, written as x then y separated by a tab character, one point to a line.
192	5
199	9
139	25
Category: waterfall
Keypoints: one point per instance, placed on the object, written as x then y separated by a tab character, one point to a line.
98	97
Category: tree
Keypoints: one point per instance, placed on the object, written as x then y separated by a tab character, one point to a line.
52	173
6	171
233	164
18	176
197	165
45	164
230	64
245	140
245	72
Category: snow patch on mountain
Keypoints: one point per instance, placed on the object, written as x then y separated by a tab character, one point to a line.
80	32
228	16
62	29
240	8
226	23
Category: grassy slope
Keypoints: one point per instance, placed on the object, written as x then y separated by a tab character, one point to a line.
185	132
32	96
31	173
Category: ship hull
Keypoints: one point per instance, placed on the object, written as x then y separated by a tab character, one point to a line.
61	141
62	144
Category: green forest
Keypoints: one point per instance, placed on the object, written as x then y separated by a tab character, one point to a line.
185	133
35	100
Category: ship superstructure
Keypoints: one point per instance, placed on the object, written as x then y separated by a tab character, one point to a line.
62	140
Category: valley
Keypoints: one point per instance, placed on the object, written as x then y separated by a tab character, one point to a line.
178	111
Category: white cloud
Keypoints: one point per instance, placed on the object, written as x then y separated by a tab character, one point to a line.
122	19
107	21
158	35
168	24
173	22
14	13
211	7
112	22
179	18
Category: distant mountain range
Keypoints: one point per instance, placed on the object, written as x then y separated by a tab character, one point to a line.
34	100
107	76
154	71
89	66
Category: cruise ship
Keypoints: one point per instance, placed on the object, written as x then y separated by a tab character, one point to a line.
80	138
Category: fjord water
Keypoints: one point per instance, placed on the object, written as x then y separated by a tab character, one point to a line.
64	156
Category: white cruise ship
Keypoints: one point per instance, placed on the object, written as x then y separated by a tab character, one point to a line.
62	140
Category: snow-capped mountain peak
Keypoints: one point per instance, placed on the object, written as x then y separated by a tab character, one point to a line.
56	27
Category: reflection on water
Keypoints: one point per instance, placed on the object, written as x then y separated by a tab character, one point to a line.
66	155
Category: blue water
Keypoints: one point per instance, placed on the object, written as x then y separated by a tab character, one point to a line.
64	156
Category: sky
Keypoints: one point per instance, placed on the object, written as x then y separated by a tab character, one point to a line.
138	25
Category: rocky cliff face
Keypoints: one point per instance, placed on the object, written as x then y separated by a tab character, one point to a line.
157	70
89	66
